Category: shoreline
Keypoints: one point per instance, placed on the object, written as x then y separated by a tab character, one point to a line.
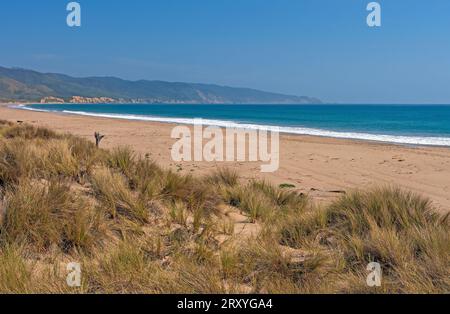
322	167
390	139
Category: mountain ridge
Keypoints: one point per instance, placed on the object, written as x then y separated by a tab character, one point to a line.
20	84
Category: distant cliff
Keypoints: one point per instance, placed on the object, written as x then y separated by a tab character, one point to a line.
26	85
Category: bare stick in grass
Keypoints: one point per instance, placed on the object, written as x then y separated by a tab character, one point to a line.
98	138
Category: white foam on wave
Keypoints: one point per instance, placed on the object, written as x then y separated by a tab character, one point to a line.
25	107
399	139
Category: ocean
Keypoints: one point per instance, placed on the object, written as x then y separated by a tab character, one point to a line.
403	124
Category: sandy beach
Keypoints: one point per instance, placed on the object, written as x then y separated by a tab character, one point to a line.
320	167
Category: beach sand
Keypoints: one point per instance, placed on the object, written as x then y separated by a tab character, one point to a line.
320	167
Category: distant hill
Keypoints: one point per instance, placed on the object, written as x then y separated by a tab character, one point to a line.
27	85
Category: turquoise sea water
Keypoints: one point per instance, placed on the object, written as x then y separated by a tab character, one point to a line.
408	124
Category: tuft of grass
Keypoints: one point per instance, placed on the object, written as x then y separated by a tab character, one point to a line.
128	269
385	207
28	132
15	274
263	201
147	179
64	157
282	198
113	192
42	214
122	159
224	176
5	123
18	159
257	205
176	186
178	213
59	161
397	229
86	155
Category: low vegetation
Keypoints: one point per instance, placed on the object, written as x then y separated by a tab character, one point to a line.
135	227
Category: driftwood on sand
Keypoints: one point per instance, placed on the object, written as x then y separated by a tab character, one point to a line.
98	138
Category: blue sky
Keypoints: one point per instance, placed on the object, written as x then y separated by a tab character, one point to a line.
321	48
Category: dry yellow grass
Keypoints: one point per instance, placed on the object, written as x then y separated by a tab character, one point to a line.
135	227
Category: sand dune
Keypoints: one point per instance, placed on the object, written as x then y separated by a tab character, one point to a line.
320	167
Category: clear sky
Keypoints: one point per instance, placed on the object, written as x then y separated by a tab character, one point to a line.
320	48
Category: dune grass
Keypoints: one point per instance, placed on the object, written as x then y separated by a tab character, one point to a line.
135	227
